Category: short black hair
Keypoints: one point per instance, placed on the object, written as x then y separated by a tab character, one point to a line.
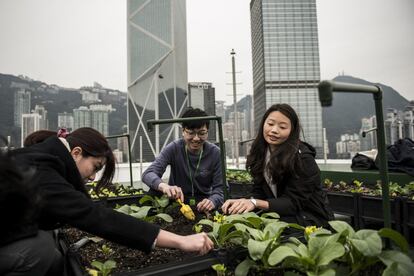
195	112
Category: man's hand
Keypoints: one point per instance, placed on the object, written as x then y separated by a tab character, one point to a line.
173	192
237	206
205	205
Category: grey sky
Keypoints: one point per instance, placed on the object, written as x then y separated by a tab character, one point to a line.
74	43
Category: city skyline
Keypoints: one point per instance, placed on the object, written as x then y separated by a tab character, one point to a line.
84	45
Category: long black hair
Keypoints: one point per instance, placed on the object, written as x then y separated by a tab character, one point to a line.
92	142
284	161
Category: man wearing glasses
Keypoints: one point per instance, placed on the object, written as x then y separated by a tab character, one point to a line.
195	175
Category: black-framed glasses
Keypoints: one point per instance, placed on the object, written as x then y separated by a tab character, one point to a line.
201	133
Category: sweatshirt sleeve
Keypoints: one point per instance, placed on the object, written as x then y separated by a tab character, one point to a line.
64	205
152	175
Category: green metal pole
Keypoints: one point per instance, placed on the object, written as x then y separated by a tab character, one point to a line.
325	96
383	164
150	124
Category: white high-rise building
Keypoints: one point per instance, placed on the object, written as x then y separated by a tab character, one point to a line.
22	101
65	120
157	71
29	123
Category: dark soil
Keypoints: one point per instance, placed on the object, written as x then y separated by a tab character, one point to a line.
128	259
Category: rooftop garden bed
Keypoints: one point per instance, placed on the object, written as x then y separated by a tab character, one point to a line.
247	244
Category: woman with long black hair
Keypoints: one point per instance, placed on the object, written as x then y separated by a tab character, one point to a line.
286	176
62	163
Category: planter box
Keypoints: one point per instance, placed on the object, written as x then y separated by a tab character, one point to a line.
345	204
111	202
240	190
197	265
408	219
370	209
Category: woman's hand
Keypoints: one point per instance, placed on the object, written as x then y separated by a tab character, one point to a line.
237	206
199	243
173	192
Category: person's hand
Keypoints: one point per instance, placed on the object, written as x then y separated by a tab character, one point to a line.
173	192
205	205
237	206
199	243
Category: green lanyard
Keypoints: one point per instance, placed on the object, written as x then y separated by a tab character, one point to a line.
189	168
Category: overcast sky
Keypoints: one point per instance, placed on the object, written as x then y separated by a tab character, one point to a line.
73	43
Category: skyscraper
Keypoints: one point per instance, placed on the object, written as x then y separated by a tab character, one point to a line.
21	105
41	110
65	120
285	56
96	116
157	71
29	123
81	117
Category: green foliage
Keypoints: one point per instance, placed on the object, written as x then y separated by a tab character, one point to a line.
106	250
322	252
105	268
158	203
239	176
142	212
357	186
114	190
220	269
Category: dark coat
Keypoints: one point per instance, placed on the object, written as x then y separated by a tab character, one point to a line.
65	200
299	199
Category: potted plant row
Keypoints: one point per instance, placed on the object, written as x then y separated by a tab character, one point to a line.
240	183
114	194
364	203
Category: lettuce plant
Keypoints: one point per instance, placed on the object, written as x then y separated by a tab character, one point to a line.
102	269
158	203
141	212
344	252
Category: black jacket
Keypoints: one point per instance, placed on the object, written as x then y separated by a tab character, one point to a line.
299	198
65	200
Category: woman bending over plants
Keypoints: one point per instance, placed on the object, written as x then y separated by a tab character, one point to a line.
285	174
63	163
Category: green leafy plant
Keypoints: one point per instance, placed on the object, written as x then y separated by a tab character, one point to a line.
357	187
103	269
321	252
220	269
239	176
327	183
222	229
141	212
114	190
106	250
158	203
345	252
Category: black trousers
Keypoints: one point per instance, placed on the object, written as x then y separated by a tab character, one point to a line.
34	256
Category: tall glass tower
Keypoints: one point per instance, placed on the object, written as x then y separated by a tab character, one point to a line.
285	56
157	71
